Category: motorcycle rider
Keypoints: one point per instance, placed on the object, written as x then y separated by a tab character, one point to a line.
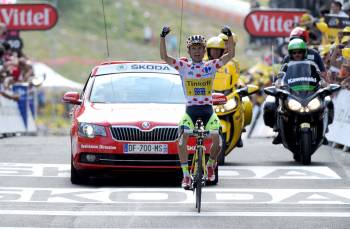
227	77
297	50
312	54
194	75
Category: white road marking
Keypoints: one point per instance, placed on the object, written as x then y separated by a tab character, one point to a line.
175	196
225	172
174	214
277	172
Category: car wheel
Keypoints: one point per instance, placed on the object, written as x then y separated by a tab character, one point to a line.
76	177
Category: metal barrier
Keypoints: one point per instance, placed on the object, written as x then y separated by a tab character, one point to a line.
18	117
339	131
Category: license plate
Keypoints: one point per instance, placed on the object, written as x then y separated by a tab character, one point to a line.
146	148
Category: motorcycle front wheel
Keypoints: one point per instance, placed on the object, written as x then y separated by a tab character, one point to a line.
305	148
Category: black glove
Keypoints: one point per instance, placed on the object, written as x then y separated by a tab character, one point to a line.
165	31
227	31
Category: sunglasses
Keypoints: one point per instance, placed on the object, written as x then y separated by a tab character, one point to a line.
298	52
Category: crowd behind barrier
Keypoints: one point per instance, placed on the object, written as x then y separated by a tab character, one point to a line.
17	89
329	34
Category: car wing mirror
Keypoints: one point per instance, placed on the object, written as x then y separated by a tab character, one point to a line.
72	98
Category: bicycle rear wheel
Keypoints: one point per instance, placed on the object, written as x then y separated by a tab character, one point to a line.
199	179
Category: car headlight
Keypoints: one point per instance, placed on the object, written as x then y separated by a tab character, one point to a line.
91	130
314	104
231	104
294	105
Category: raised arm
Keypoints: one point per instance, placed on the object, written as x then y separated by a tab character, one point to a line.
231	46
163	53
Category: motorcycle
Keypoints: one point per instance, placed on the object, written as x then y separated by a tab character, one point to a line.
234	116
303	109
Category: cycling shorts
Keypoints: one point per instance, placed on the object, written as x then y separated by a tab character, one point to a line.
205	112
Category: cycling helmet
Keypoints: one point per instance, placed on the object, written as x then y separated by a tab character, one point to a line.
216	43
299	32
195	39
297	44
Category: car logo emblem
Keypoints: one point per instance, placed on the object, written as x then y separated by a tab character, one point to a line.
146	125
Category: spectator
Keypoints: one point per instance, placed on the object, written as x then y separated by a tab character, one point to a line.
254	4
336	7
325	55
147	34
345	67
346	8
308	22
3	32
336	57
7	89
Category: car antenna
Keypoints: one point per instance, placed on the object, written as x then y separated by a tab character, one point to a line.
104	18
182	13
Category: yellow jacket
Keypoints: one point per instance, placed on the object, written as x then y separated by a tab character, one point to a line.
227	77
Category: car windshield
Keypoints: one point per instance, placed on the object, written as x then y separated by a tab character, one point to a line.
301	77
137	88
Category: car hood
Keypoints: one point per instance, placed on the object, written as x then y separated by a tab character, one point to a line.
129	113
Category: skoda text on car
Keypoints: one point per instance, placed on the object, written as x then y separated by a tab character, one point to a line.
126	119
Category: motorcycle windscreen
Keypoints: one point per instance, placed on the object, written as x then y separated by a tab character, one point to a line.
302	78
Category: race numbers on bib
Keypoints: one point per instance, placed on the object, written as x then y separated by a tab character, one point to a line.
198	87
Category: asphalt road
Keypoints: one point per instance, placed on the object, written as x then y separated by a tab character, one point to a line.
260	187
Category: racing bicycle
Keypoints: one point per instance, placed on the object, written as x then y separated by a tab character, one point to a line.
198	170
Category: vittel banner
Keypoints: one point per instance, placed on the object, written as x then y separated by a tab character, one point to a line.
28	16
272	23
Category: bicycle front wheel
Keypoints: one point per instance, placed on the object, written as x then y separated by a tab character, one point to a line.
199	179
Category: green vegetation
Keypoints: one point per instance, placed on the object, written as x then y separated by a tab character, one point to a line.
77	42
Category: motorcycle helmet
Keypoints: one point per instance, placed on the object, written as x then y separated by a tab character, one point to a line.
299	32
216	42
195	39
297	44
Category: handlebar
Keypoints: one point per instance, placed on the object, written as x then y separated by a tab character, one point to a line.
197	132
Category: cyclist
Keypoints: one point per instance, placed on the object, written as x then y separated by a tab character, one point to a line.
197	80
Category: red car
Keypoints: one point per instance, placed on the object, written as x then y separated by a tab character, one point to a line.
126	119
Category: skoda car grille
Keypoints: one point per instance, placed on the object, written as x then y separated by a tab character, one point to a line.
158	134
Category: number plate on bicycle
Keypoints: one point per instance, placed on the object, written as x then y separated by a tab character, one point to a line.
146	148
